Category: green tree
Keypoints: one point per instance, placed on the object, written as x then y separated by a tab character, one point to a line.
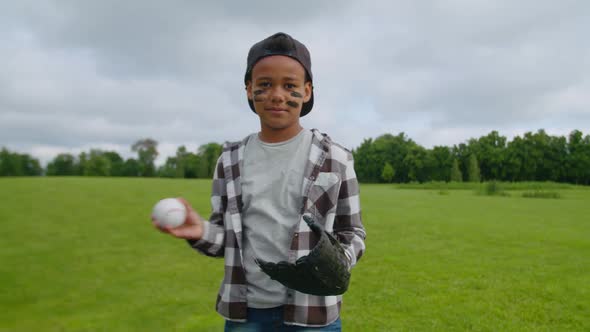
456	175
578	158
202	167
82	163
191	166
208	153
116	163
556	159
532	154
474	175
181	162
98	164
490	150
31	166
441	162
365	162
586	148
388	173
416	163
131	168
10	164
462	152
147	153
18	164
169	169
371	156
62	164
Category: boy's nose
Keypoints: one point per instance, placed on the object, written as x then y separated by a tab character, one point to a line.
276	95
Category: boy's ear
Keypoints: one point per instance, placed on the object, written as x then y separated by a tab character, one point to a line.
249	90
308	90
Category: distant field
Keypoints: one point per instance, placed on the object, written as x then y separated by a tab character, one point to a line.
79	254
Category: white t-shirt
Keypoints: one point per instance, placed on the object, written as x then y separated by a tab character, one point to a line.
272	179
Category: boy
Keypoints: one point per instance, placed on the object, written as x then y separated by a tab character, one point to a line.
263	187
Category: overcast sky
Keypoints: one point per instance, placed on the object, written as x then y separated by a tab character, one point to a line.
76	75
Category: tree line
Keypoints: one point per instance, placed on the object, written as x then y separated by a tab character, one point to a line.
96	162
385	159
532	157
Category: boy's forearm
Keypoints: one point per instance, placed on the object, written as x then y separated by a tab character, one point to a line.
351	236
348	226
212	242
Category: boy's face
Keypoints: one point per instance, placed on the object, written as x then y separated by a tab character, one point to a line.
278	90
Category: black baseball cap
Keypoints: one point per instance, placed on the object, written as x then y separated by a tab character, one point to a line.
280	44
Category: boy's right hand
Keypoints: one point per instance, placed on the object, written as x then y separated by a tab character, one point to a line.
192	229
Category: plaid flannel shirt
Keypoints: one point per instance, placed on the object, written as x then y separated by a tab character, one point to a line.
330	194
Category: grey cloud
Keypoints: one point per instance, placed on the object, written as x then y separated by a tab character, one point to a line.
76	73
471	64
149	38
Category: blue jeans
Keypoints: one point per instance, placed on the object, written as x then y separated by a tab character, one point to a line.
271	320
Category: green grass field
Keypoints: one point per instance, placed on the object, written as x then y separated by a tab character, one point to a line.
80	254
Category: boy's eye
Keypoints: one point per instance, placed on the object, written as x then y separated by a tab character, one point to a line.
289	86
264	84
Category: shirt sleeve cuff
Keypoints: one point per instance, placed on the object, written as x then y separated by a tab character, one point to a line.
203	236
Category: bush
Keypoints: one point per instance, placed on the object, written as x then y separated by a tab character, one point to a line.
541	194
492	188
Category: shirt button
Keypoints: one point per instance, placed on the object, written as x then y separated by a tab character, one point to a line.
296	234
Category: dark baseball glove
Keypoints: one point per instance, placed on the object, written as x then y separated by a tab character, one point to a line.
325	271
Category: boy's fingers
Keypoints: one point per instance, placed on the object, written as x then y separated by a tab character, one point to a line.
160	228
186	204
193	217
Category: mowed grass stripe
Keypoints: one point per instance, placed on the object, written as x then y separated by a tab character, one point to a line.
79	254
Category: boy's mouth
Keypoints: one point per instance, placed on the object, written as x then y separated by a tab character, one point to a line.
275	110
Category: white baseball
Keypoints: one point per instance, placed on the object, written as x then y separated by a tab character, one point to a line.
169	212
